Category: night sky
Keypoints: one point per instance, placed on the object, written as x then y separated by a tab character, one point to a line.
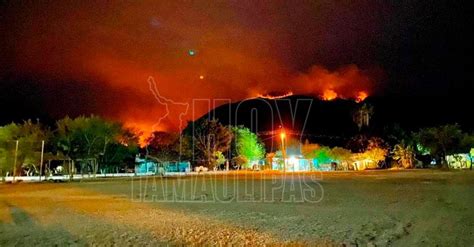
72	57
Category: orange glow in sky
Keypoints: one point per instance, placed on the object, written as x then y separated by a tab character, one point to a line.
193	51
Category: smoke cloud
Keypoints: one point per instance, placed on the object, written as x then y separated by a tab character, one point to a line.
98	57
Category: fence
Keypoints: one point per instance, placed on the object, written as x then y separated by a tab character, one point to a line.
18	158
27	161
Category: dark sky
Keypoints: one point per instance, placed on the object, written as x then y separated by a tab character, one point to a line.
76	57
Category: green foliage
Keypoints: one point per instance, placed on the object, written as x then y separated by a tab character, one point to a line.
443	140
307	149
341	154
422	150
29	136
86	137
343	157
320	153
323	155
219	158
373	154
93	137
247	144
81	138
326	155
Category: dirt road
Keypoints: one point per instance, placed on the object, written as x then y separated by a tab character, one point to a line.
397	208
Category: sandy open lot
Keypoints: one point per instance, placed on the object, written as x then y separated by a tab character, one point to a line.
398	208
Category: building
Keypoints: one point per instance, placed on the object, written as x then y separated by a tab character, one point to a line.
298	163
151	166
459	161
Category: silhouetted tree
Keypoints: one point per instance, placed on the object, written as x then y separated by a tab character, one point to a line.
208	137
441	141
163	145
123	150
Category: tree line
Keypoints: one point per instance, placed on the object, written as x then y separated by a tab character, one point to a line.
94	145
87	141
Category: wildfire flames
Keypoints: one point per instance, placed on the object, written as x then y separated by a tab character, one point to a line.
268	96
345	83
190	55
348	82
361	96
329	94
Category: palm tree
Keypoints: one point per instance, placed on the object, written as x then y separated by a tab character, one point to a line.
361	116
404	155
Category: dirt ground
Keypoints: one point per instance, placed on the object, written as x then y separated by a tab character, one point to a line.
370	208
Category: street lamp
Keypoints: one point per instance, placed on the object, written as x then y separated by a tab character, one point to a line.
283	148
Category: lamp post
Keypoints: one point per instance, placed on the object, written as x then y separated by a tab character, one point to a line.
283	148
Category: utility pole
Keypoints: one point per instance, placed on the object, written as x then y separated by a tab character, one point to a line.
41	162
15	161
283	148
